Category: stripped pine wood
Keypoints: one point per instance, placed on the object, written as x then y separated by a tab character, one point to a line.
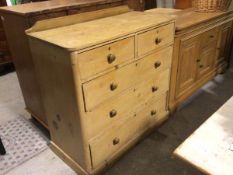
209	148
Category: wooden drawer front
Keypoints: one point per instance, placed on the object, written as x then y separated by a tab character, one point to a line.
103	146
113	83
103	58
209	37
155	38
112	110
116	136
159	109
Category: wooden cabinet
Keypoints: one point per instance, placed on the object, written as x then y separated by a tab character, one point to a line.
102	94
224	45
5	55
183	4
202	49
23	17
141	5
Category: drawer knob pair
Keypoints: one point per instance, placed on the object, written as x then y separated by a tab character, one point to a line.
111	58
113	86
155	88
153	112
112	113
116	141
158	41
157	64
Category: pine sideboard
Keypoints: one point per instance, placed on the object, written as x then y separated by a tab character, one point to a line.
103	85
202	49
16	19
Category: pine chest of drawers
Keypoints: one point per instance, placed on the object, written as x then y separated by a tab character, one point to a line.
104	84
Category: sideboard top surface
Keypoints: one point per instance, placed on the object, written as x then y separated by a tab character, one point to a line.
47	6
189	17
82	35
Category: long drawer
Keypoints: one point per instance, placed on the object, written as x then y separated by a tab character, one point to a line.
116	136
154	39
113	83
102	58
127	103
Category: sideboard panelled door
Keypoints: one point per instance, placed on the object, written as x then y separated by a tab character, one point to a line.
186	70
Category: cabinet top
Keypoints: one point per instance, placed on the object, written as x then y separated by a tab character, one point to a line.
82	35
189	17
54	5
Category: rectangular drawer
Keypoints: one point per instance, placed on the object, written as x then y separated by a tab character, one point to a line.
115	137
209	37
115	82
153	39
112	110
105	57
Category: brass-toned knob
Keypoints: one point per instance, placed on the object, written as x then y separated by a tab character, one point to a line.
201	66
116	141
154	88
211	36
157	64
198	60
112	113
111	58
153	112
113	86
158	41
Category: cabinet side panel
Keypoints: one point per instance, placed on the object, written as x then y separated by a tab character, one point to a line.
15	27
54	69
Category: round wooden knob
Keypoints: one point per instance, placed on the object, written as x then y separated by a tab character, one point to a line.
111	58
113	113
157	64
113	86
116	141
158	41
155	88
153	112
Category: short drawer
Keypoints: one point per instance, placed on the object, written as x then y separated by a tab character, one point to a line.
105	57
115	109
209	37
114	138
153	39
115	82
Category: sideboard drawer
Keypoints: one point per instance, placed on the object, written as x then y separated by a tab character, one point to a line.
115	82
105	57
153	39
209	37
112	110
115	137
